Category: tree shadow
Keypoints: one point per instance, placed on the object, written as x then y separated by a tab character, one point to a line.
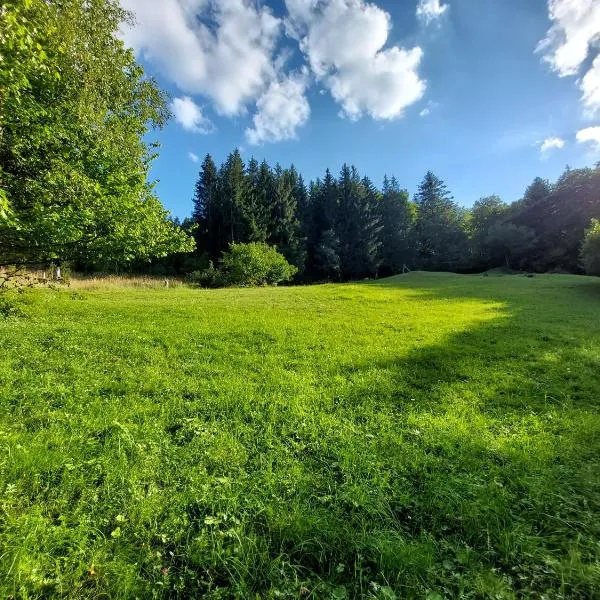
482	469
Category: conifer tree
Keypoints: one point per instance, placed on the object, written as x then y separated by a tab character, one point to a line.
234	201
441	241
398	216
206	210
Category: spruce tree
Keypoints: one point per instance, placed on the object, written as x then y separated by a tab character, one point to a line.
358	225
259	185
323	261
205	214
284	227
441	240
234	200
398	216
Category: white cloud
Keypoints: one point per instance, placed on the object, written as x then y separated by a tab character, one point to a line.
590	86
551	144
223	49
281	110
343	41
590	135
430	10
427	110
193	157
575	29
189	115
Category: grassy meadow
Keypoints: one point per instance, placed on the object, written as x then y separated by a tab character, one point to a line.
427	436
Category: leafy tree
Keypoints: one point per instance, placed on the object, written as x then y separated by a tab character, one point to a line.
560	220
590	250
485	214
509	243
75	108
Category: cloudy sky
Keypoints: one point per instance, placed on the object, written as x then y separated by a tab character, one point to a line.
486	93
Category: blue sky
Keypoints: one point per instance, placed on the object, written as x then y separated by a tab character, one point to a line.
487	94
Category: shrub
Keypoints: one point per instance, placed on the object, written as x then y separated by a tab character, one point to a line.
9	307
209	277
590	250
253	264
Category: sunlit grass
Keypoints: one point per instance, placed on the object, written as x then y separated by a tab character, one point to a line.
425	436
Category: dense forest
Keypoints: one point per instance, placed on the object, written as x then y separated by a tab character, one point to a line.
345	227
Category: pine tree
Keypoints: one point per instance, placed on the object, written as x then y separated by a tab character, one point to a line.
234	200
205	212
442	243
398	216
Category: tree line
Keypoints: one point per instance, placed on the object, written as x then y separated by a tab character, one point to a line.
75	113
344	227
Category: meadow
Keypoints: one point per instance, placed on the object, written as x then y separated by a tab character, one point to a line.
426	436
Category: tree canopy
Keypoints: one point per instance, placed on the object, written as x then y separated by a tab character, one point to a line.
75	108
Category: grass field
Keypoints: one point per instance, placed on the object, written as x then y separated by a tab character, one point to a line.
428	436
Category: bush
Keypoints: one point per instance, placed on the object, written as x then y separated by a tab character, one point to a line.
9	307
253	264
207	278
590	250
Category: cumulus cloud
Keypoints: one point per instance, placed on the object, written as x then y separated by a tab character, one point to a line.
193	157
552	143
590	135
229	52
575	29
590	87
281	110
189	115
573	37
343	41
429	11
223	49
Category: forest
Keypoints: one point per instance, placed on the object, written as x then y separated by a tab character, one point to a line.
346	228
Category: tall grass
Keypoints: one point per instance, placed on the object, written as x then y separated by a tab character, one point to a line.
82	282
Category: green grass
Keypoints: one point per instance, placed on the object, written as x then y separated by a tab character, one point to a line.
427	436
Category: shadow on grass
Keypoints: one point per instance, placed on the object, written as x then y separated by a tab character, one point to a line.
470	467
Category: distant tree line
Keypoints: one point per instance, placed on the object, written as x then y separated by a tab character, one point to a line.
344	227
